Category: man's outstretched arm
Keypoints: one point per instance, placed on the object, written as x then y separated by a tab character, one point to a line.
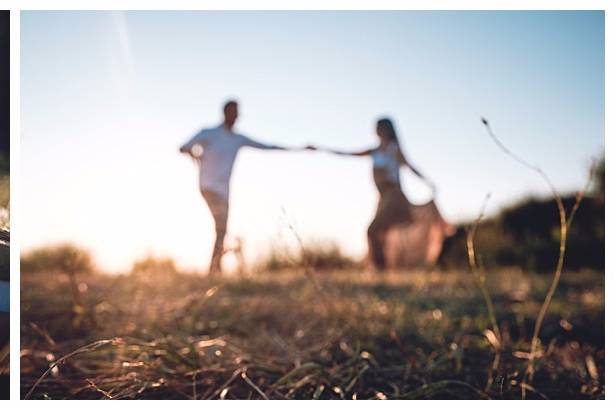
199	139
184	149
249	142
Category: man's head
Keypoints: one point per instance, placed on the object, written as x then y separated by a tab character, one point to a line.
231	112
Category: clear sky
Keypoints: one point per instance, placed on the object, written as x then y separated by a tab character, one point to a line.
108	97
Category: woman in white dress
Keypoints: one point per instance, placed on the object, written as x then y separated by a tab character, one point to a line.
393	206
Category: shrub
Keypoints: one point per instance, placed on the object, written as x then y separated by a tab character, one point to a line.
151	265
316	255
64	258
526	235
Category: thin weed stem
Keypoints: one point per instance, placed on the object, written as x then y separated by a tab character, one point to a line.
307	269
565	222
481	278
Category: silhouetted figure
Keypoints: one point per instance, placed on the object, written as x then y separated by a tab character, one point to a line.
215	150
393	206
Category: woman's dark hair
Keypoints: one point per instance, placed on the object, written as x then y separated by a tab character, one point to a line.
389	129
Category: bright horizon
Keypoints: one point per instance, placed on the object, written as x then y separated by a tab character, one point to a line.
108	98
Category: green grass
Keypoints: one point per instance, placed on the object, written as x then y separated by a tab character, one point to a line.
366	336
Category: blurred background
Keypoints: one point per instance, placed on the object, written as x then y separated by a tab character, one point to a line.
108	97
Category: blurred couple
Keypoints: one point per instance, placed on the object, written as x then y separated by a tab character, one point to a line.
215	150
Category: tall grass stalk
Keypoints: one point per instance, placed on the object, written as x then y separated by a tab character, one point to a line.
308	271
565	223
87	348
478	272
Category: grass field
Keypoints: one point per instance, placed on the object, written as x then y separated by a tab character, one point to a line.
348	335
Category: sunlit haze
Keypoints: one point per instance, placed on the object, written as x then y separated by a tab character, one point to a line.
108	98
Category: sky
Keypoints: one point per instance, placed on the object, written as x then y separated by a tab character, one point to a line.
107	98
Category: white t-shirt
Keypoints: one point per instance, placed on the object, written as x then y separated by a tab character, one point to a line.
387	159
216	150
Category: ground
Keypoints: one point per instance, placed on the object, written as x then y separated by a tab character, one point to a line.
351	335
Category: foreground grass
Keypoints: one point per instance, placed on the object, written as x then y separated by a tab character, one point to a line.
361	336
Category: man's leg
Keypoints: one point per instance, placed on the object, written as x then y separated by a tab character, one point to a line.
219	210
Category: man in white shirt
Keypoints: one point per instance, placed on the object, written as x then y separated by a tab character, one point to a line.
215	149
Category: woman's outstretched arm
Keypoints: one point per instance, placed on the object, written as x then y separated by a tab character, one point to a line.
401	159
362	153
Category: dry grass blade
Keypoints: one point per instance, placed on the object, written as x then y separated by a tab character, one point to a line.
245	377
99	390
429	390
224	387
296	372
530	388
87	348
565	222
43	333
